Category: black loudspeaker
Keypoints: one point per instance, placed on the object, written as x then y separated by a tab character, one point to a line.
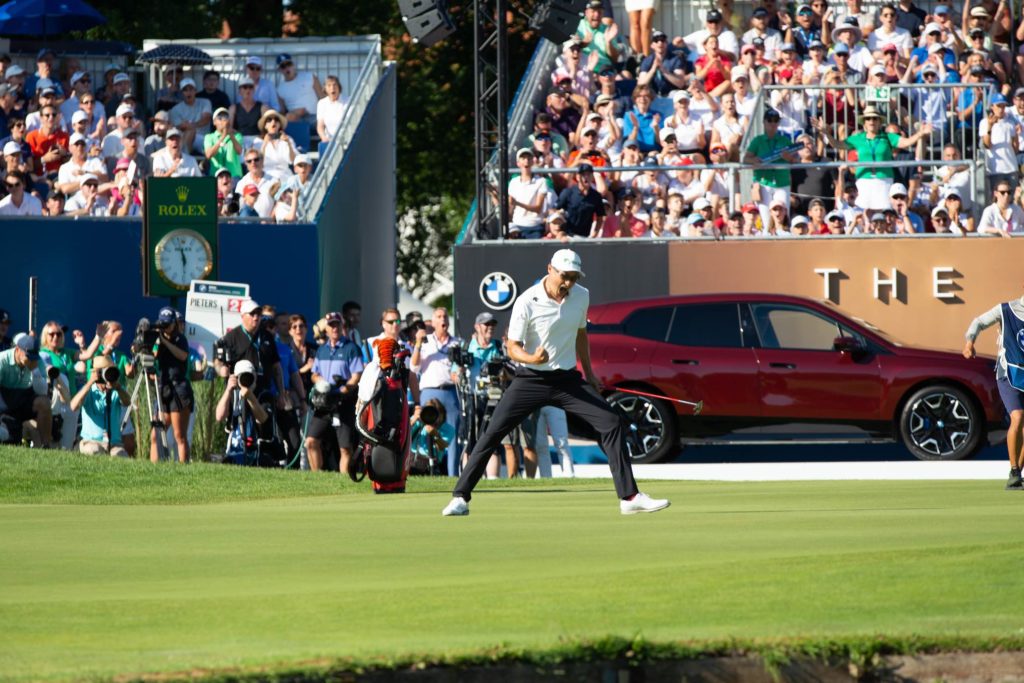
430	27
557	19
414	8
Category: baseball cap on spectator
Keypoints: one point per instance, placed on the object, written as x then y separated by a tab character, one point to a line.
897	189
936	47
47	92
28	344
110	67
601	99
687	161
803	7
890	47
254	61
738	72
122	165
713	15
12	147
658	34
571	43
43	84
939	209
76	138
680	95
303	160
930	69
595	4
77	76
221	111
950	192
242	367
250	189
932	28
13	70
841	49
701	203
249	306
221	171
749	47
816	45
978	70
979	12
757	42
89	178
556	217
608	71
594	116
186	83
940	10
787	47
877	216
245	80
588	129
777	202
172	133
283	58
123	109
79	116
161	116
694	219
760	12
997	98
800	220
121	77
975	32
131	133
1019	92
627	143
523	151
666	133
4	89
485	318
877	70
584	168
831	215
750	207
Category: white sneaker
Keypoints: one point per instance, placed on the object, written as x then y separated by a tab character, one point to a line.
458	507
641	503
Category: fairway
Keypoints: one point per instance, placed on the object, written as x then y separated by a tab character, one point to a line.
114	588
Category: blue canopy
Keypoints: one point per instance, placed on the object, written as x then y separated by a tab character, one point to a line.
47	17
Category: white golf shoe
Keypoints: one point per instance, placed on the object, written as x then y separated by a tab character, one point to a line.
458	507
641	503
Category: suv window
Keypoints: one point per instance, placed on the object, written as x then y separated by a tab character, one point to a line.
707	325
648	323
790	327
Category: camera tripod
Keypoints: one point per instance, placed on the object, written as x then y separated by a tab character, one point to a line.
148	379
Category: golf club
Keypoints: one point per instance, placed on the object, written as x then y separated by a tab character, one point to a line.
697	407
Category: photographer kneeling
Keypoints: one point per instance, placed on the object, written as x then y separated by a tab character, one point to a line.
240	408
429	438
101	401
336	372
23	391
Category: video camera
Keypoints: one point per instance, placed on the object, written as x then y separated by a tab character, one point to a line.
460	356
495	376
325	397
145	338
408	333
222	353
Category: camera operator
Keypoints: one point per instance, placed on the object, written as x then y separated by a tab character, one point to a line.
242	411
101	401
23	388
431	360
429	439
336	372
110	333
251	341
176	399
287	420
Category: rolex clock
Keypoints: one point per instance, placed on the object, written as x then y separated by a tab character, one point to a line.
182	256
179	234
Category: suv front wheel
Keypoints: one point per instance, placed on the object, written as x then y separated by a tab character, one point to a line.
653	434
941	422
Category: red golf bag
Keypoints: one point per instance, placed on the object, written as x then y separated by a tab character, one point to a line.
383	421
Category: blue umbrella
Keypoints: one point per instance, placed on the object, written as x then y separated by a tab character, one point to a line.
47	17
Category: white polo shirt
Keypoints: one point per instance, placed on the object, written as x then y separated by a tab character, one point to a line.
539	320
435	367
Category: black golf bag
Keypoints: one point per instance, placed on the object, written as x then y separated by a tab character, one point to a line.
383	421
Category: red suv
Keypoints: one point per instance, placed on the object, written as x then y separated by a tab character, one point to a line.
773	368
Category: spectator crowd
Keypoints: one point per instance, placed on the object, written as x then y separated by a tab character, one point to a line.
634	136
290	395
78	147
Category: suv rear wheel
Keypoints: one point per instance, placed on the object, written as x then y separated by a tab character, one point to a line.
941	422
654	435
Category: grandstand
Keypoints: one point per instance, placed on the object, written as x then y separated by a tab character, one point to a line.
928	90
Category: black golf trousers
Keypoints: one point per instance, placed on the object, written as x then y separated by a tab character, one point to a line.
566	389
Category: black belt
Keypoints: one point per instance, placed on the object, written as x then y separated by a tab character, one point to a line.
442	387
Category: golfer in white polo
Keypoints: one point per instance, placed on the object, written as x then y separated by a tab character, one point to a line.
551	319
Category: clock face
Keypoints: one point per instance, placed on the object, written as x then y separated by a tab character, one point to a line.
183	256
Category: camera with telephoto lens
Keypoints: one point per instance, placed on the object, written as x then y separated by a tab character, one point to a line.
110	374
460	356
323	398
430	416
52	373
246	379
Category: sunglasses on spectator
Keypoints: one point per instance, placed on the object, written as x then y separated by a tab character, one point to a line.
659	39
393	322
17	124
1002	192
254	67
55	333
253	160
85	101
14	184
246	87
48	116
299	326
899	196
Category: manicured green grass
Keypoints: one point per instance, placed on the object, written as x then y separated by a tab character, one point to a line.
213	566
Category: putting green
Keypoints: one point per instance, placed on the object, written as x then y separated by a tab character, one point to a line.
102	590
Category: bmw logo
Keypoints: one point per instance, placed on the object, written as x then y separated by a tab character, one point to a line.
498	291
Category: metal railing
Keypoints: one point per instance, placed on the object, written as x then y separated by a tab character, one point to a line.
311	200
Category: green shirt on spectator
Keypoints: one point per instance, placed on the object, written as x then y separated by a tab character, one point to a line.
598	42
878	148
12	375
226	156
119	358
763	146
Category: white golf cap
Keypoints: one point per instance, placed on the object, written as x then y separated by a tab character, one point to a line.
244	366
76	138
567	261
897	189
701	203
12	147
248	306
186	83
79	116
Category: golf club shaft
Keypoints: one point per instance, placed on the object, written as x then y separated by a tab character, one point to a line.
663	398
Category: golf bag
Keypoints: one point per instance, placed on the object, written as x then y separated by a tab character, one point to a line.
383	422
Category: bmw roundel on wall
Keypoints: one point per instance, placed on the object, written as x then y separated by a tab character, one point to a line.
498	291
